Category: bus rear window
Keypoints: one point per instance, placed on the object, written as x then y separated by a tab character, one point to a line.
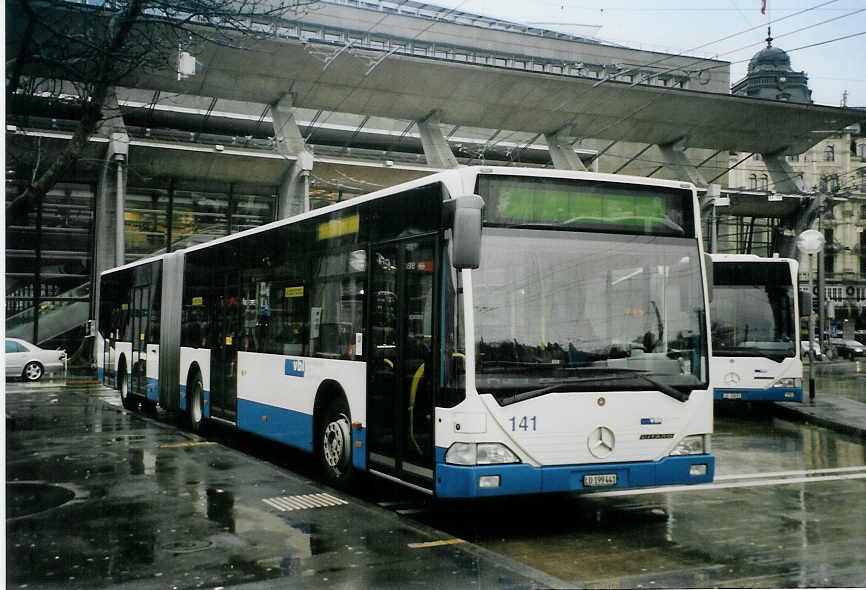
586	205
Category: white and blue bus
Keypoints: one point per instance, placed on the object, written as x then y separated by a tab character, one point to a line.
480	331
755	329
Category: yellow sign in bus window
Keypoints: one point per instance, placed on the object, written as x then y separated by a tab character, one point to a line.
294	292
228	340
198	300
339	227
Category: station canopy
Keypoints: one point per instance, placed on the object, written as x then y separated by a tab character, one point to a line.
368	83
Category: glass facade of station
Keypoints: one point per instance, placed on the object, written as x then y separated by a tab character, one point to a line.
49	251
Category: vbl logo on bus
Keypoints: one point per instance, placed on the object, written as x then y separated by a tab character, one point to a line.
295	367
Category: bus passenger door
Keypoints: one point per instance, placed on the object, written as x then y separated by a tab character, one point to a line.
138	362
224	352
400	391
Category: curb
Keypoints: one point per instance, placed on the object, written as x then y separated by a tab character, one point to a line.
823	413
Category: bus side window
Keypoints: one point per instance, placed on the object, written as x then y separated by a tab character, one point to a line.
336	309
289	317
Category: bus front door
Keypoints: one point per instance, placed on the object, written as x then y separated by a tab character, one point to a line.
400	391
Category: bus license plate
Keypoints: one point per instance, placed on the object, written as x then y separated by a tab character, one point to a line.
732	396
602	479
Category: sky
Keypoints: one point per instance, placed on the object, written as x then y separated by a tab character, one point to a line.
699	28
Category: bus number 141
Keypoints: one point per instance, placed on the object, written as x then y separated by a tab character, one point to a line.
525	423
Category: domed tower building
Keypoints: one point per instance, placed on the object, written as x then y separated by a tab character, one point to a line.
770	76
834	167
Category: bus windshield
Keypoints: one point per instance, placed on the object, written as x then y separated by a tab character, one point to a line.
752	312
587	311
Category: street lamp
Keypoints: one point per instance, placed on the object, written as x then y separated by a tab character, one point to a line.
811	242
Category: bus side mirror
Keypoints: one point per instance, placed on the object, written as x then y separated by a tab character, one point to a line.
464	214
708	263
805	303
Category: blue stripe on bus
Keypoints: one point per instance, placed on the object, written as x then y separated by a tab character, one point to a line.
770	394
292	428
457	481
100	374
286	426
359	452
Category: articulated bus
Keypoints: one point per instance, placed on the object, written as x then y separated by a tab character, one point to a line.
755	329
481	331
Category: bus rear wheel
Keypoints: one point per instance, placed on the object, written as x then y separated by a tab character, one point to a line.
195	401
123	387
335	444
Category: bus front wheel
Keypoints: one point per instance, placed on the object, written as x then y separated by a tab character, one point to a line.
335	444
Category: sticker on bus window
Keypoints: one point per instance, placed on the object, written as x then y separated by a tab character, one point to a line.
228	340
124	306
339	227
294	292
141	336
198	300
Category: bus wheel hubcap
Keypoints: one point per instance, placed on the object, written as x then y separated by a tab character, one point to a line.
196	404
335	443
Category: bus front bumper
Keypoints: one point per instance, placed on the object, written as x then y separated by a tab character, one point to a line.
457	481
770	394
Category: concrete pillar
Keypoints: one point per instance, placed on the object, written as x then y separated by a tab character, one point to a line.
436	148
783	177
708	211
803	220
294	191
674	155
109	250
561	152
108	220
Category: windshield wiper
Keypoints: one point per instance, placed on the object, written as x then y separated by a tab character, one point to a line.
603	374
740	351
665	388
523	366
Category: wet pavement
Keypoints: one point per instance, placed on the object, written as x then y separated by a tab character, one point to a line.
840	378
98	497
840	397
787	509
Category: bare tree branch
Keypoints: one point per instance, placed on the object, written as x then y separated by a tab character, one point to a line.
94	48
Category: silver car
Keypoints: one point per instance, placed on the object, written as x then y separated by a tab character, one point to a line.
848	348
31	362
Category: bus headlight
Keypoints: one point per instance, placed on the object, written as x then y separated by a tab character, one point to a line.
788	382
696	444
479	454
495	454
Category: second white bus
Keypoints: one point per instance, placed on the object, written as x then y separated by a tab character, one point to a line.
755	326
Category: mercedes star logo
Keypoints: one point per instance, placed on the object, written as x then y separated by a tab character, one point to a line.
732	378
601	442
